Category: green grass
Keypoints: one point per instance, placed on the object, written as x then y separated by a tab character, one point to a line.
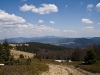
35	68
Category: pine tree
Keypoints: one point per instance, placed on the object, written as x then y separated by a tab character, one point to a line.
90	57
1	53
5	51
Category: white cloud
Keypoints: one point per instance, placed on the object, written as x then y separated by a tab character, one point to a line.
44	9
34	30
26	7
6	19
98	7
88	28
15	26
52	22
28	30
69	31
89	7
87	21
40	21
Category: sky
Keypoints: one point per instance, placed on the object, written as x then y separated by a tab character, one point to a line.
36	18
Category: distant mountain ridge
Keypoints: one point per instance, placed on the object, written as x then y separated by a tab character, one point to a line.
62	41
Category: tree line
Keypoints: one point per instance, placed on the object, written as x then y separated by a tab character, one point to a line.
90	53
34	47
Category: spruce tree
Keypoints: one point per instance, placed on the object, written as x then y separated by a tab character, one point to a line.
1	59
90	57
5	51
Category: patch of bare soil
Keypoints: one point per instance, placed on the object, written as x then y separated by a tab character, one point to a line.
65	70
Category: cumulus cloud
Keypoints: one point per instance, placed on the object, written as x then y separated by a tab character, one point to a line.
34	30
7	19
98	7
87	21
40	21
52	22
15	26
44	9
28	30
89	7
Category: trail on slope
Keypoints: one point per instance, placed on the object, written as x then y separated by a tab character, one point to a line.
65	70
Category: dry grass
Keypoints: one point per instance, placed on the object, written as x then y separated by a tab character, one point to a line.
35	68
17	53
18	45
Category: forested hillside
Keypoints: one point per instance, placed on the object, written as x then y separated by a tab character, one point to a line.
47	51
35	46
89	54
44	50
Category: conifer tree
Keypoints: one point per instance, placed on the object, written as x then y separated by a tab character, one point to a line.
5	51
90	57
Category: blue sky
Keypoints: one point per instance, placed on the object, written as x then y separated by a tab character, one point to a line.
32	18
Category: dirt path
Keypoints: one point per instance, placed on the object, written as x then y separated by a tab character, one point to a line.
65	70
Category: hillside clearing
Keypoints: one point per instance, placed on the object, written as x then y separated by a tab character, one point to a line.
17	53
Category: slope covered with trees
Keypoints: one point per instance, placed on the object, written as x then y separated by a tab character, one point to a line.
47	51
35	46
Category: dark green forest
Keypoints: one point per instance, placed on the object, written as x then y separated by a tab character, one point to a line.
35	46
